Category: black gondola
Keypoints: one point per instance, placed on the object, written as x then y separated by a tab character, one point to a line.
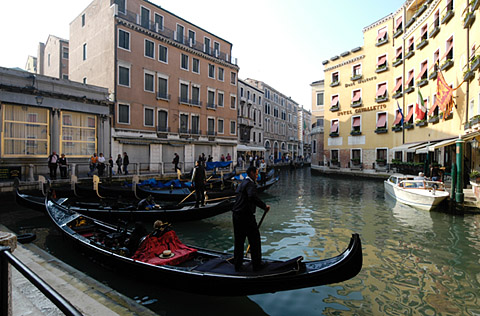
200	270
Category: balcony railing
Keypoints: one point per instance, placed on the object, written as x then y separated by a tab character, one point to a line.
211	106
148	24
163	96
211	133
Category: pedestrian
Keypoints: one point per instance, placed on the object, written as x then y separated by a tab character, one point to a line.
101	164
198	180
119	162
52	165
176	160
62	162
229	158
210	158
263	172
251	161
93	164
110	165
222	158
244	222
126	162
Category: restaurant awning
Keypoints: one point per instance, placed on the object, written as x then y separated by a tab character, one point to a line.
425	148
444	143
249	148
405	146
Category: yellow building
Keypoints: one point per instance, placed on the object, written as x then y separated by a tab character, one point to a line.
372	92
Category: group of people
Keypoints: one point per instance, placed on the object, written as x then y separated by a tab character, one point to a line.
99	163
54	162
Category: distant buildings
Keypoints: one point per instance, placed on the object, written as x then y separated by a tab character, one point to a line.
52	58
318	111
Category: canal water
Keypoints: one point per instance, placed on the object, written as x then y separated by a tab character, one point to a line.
414	262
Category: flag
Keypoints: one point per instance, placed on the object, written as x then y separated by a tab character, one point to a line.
444	95
420	110
399	119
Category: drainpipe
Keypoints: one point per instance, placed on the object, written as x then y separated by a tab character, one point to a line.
459	143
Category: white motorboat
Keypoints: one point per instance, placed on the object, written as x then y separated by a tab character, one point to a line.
423	194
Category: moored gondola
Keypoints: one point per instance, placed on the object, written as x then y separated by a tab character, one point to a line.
192	269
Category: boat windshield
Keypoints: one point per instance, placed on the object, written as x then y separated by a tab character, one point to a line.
437	185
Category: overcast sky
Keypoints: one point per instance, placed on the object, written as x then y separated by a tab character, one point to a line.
280	42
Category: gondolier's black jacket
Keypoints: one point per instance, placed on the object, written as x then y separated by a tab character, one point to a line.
247	199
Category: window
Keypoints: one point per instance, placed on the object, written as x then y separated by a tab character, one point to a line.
211	71
356	97
409	118
211	99
148	82
382	62
124	76
357	70
424	33
196	95
83	20
78	134
334	128
335	77
233	102
124	113
163	53
356	126
183	93
381	155
20	139
184	62
183	123
65	52
220	126
85	51
356	156
84	80
381	91
398	118
206	45
436	58
145	18
216	49
220	73
423	75
48	60
148	117
162	121
191	37
399	24
121	6
211	126
196	65
381	120
180	32
382	35
124	39
436	22
233	127
334	156
149	49
158	19
449	50
163	88
233	78
195	124
409	83
220	99
411	45
398	54
334	103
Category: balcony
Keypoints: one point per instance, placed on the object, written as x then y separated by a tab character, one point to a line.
195	102
183	130
155	28
243	100
195	131
162	131
211	133
163	96
334	84
448	16
245	121
211	106
183	100
447	65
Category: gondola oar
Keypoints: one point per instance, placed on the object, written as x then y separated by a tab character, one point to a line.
258	226
191	193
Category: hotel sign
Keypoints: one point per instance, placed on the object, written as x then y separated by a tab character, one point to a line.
365	109
360	81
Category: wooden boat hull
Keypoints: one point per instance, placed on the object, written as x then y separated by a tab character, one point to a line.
196	276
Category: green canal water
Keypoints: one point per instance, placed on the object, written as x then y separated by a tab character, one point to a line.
414	262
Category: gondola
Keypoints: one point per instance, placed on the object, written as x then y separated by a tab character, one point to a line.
197	270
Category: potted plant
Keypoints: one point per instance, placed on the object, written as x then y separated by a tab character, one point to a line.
407	125
468	75
397	61
421	123
475	62
381	130
356	161
469	19
381	162
447	64
475	176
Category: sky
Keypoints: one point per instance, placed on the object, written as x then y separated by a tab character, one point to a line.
280	42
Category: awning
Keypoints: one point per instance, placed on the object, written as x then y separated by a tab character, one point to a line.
425	148
435	104
405	146
399	52
381	90
398	119
413	149
381	34
382	119
410	78
409	115
422	71
356	95
356	122
249	148
334	101
447	51
334	127
382	60
399	21
398	85
445	143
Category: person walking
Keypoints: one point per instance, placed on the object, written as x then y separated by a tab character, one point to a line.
126	162
198	180
119	162
110	166
62	163
263	172
176	160
52	165
244	222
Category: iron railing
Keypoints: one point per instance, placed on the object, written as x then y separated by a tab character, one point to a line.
6	258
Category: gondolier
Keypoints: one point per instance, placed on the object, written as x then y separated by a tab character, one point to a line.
244	222
198	180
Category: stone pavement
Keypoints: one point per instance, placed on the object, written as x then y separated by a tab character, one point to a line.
89	296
